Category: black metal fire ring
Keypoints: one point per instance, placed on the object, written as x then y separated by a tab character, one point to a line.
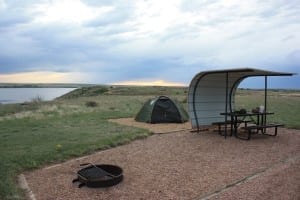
95	176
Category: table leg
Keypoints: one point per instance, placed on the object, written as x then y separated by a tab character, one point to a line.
258	122
231	125
263	122
235	126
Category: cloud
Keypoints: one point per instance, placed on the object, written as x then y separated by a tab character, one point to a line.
13	13
293	60
43	77
65	11
149	83
113	41
116	14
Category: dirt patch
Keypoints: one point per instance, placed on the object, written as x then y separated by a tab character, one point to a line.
291	94
185	165
281	181
154	128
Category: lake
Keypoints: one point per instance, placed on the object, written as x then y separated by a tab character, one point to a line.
20	95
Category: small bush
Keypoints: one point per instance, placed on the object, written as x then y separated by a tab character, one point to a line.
112	108
37	99
184	100
91	104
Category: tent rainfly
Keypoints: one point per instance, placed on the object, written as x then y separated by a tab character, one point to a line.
212	92
162	109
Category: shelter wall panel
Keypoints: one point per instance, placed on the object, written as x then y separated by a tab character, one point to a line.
203	89
206	80
214	84
209	106
221	78
215	80
205	121
208	98
218	76
208	114
211	83
211	91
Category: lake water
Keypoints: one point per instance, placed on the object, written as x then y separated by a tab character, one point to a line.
20	95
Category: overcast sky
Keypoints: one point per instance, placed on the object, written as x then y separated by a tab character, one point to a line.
161	41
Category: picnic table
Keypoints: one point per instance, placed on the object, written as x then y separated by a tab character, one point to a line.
260	123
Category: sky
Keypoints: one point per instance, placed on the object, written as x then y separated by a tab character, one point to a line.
159	42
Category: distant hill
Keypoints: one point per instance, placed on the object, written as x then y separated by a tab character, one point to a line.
125	90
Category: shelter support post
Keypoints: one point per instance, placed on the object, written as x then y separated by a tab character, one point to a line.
226	103
266	90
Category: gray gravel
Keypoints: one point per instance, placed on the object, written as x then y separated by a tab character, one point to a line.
185	165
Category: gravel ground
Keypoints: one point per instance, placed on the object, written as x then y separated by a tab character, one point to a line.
185	165
154	128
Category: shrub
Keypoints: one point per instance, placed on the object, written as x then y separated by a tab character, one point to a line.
37	99
184	100
91	104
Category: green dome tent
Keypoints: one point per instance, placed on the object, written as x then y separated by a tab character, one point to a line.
162	109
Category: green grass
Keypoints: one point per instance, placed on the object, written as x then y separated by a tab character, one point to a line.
28	143
285	105
34	135
16	108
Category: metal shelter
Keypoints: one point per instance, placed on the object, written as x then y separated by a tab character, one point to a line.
212	92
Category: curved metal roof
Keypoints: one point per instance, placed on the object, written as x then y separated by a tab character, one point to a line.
212	92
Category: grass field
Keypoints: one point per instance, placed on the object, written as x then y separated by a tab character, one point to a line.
40	133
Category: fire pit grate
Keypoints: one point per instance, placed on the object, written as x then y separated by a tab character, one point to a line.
99	175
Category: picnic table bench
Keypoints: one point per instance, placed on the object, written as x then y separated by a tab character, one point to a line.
229	122
261	128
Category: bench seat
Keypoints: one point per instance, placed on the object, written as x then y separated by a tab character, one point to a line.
229	122
261	128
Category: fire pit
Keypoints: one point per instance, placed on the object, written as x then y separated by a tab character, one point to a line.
99	175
